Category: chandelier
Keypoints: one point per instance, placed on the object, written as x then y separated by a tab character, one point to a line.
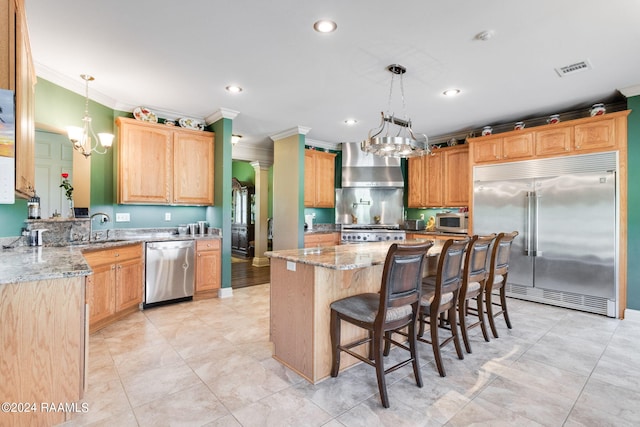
394	136
81	137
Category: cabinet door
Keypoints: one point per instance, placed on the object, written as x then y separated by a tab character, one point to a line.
596	135
193	168
487	151
100	293
456	185
25	79
434	170
416	182
144	163
553	141
309	179
517	147
325	179
128	284
207	270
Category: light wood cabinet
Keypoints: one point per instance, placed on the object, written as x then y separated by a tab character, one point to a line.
17	73
513	147
457	177
319	179
43	332
321	239
580	136
553	141
116	287
162	165
208	275
441	179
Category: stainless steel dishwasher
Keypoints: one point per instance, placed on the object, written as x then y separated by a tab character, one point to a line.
169	272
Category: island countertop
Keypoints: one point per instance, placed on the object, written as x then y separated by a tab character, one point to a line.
346	257
32	263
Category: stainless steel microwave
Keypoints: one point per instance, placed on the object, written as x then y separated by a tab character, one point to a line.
452	222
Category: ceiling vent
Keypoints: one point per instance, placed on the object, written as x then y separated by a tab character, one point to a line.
574	68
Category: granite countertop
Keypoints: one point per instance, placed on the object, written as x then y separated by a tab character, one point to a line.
29	263
345	257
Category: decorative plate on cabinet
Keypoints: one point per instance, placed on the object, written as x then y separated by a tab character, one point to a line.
191	124
145	115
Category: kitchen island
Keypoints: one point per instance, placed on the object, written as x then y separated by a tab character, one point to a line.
42	333
304	282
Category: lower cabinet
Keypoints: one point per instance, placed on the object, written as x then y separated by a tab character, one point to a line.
321	239
208	278
43	350
115	288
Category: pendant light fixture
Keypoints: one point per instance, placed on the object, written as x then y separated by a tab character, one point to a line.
81	137
394	136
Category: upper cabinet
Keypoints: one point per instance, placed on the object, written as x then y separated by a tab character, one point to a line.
17	73
586	135
158	164
440	179
319	179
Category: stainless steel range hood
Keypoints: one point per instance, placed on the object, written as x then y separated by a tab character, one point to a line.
360	169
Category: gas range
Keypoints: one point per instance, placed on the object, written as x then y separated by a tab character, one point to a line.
367	233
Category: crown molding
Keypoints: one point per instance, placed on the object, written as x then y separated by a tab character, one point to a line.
336	146
264	166
631	91
249	153
298	130
221	113
74	85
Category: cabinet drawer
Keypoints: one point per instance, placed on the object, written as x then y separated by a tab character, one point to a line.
108	256
207	245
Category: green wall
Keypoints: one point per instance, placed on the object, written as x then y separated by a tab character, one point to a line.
243	172
633	205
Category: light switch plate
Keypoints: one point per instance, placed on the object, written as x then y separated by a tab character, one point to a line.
123	217
167	216
291	266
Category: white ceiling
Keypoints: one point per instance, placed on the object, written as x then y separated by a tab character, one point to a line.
176	58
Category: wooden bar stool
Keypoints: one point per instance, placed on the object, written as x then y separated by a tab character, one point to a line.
474	276
497	280
440	296
395	307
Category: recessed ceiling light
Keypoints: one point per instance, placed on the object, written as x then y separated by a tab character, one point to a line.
451	92
233	89
484	35
325	26
351	122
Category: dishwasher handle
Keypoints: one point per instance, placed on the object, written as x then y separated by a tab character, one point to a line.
156	246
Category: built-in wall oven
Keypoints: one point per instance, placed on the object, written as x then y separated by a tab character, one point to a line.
169	272
353	234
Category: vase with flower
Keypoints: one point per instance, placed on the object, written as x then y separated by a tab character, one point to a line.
68	191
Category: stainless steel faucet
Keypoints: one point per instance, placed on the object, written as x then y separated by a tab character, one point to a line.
105	219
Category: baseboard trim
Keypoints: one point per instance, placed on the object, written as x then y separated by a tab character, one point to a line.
633	315
225	293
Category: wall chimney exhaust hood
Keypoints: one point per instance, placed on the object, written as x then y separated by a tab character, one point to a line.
360	169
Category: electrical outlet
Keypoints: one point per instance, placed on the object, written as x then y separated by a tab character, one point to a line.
123	217
421	216
167	216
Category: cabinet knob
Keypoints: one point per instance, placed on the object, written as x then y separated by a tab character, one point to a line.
117	255
199	255
113	267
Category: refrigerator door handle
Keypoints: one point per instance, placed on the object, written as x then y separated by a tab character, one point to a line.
536	249
527	240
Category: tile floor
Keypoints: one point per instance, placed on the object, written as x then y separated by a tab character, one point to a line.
208	363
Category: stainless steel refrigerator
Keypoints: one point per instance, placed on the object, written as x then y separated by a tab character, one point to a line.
565	210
